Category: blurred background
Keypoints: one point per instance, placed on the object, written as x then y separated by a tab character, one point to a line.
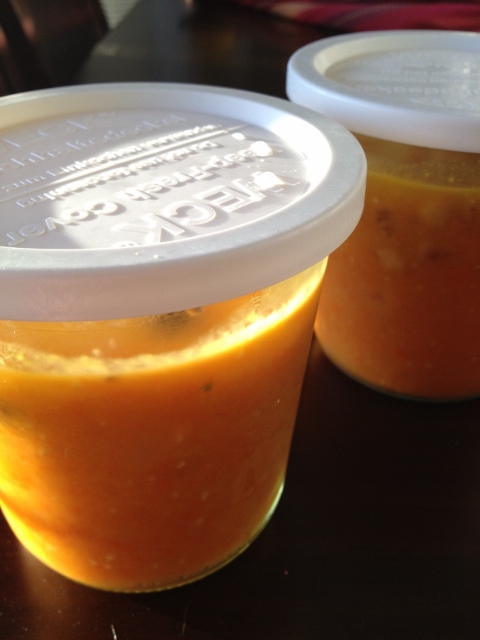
115	10
44	42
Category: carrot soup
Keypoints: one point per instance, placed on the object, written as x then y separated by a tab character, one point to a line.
164	269
155	468
399	308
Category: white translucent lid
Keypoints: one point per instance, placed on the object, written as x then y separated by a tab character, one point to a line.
415	87
124	200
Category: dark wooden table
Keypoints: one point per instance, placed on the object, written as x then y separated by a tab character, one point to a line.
377	535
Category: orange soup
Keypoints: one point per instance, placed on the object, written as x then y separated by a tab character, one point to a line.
142	454
400	305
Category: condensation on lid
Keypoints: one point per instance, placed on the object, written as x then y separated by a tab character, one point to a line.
414	87
132	199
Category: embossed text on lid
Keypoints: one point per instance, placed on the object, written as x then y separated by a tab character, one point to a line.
143	177
433	78
135	199
416	87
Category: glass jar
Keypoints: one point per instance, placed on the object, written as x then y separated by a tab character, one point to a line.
400	304
160	278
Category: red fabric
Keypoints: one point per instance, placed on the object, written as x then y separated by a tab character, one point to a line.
372	16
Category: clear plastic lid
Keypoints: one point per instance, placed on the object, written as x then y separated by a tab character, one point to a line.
414	87
124	200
